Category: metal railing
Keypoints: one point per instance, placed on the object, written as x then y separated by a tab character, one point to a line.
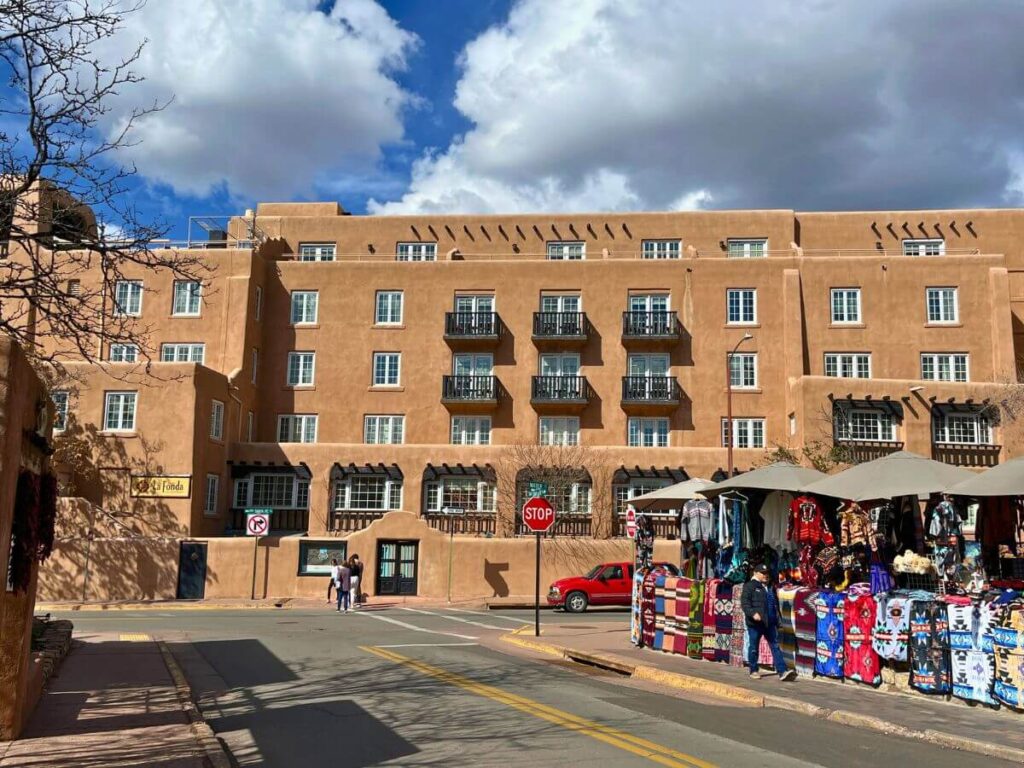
468	523
650	389
469	388
559	324
566	524
472	324
664	323
347	520
560	388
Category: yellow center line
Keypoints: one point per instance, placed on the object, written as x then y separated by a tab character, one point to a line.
616	738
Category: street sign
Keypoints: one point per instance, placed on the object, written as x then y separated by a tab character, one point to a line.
538	514
630	522
257	523
537	488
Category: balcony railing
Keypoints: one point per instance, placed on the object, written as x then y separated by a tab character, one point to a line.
859	451
472	325
468	523
650	325
560	389
461	388
650	389
281	521
559	325
966	455
566	524
348	520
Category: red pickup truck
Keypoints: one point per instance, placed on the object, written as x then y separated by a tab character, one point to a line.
605	584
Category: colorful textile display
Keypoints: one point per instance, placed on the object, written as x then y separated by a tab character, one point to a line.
972	661
695	630
805	619
860	661
1008	643
807	522
677	614
707	648
647	591
634	614
738	640
787	623
723	621
828	660
697	520
659	612
891	633
929	647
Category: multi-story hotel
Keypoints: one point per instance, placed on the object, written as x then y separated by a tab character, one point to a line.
337	367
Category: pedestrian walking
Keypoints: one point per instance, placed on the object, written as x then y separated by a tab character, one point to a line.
761	616
342	586
331	578
355	565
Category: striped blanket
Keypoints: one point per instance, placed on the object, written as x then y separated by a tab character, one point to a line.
717	620
738	639
676	613
787	623
805	622
695	632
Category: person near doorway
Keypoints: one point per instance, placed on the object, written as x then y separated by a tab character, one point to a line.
342	586
761	613
331	579
355	565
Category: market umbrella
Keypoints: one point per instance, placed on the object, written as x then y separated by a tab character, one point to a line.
672	496
780	476
1004	480
899	474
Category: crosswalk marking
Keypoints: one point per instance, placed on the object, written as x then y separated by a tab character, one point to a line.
456	618
413	627
492	614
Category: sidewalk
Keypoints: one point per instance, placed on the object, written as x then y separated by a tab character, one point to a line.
952	724
114	703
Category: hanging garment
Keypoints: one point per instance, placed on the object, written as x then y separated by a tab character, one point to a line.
660	595
807	522
787	622
880	576
1008	643
722	526
737	658
695	630
805	620
891	633
829	634
647	590
972	661
697	520
929	647
707	648
635	634
723	620
860	661
945	521
775	514
854	526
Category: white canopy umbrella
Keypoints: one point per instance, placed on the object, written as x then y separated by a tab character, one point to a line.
672	496
1003	480
899	474
780	476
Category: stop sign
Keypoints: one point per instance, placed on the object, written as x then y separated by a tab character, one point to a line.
630	523
538	514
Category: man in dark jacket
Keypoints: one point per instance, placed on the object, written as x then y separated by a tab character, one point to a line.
761	614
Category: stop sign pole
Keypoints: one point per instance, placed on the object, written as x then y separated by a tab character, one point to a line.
538	516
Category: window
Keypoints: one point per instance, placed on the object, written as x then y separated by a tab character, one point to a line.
623	492
119	411
743	370
128	298
469	364
932	247
278	491
305	305
182	353
647	433
944	367
187	298
250	427
559	430
74	288
747	433
254	359
471	430
848	365
467	493
315	556
300	368
649	302
560	303
60	409
389	308
741	306
566	496
566	364
386	367
416	252
361	492
661	249
258	302
217	420
961	429
567	251
316	251
124	353
384	430
296	428
846	305
943	305
747	248
212	495
866	425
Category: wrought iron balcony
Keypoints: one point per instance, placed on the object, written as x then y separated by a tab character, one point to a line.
663	324
560	326
472	326
560	390
654	390
470	389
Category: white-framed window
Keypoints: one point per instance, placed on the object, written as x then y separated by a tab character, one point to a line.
569	250
661	249
367	493
943	305
183	353
649	302
845	305
212	496
638	486
254	362
275	490
305	307
561	302
416	251
864	425
387	369
316	251
124	353
119	411
944	366
560	364
388	308
743	370
924	247
471	430
296	428
473	364
250	427
741	306
747	248
471	494
961	429
216	419
384	430
258	302
187	298
848	365
568	498
746	433
647	433
301	366
128	298
60	409
559	430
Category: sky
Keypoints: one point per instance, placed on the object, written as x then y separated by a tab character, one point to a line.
421	106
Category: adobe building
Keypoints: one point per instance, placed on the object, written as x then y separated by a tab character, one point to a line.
383	382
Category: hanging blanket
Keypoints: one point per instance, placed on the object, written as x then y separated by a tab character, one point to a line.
647	593
929	647
707	648
737	640
721	626
805	620
829	634
695	632
1008	643
635	636
677	614
860	661
892	626
972	661
787	623
659	612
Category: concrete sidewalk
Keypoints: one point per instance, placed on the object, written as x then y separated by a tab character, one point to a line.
952	724
115	703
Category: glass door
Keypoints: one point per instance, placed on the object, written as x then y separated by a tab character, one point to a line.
648	376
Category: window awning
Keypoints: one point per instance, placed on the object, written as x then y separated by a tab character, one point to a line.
340	472
624	474
438	471
884	405
243	469
986	409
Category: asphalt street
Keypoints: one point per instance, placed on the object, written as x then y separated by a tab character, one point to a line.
405	686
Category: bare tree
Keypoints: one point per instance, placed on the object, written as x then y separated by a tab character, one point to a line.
68	229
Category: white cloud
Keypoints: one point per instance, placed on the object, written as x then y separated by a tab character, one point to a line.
578	104
269	95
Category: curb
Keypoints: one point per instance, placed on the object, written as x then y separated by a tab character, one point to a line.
168	606
214	752
736	693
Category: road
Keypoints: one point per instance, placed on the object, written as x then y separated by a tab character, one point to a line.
417	687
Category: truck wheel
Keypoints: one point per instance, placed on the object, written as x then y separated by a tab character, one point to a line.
576	602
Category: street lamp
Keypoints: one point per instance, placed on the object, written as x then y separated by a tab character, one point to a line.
728	398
